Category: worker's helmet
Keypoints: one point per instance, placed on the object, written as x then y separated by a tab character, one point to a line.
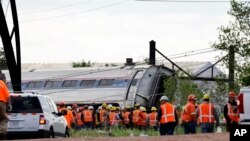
164	98
191	97
104	105
153	109
137	105
232	94
90	107
206	96
69	107
100	107
74	105
127	107
117	108
113	108
143	109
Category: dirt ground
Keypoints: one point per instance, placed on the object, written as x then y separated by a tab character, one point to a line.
196	137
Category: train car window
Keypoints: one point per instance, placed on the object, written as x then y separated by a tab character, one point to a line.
52	84
35	84
106	82
134	82
121	82
87	83
69	83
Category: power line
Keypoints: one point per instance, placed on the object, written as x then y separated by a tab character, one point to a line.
55	8
75	13
192	1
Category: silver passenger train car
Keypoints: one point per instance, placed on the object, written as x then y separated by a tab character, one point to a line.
116	85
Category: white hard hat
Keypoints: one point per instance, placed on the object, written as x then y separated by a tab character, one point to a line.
90	107
110	106
69	107
164	98
100	107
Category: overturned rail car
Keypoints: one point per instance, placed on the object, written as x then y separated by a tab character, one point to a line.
125	85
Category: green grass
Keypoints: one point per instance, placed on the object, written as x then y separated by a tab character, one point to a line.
125	133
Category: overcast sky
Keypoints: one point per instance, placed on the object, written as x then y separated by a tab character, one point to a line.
63	31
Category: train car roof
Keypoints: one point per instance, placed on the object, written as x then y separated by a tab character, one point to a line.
75	73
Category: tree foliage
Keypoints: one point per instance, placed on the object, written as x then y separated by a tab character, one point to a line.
81	64
3	61
237	34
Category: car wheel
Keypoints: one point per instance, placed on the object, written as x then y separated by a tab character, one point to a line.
66	135
51	133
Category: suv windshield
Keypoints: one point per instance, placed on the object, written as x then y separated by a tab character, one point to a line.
25	105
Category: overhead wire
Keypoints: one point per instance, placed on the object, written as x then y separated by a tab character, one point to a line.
75	13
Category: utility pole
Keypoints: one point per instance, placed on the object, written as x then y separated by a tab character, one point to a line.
152	52
231	66
14	64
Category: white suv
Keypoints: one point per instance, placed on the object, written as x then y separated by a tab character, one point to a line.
244	105
35	116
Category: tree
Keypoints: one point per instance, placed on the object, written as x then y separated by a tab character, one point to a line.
81	64
237	34
3	61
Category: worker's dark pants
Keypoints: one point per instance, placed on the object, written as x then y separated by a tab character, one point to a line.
207	127
88	125
167	128
231	125
189	127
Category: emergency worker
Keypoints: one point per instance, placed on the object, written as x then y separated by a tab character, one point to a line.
137	115
167	117
114	118
153	123
103	117
143	124
207	115
188	117
128	118
69	116
231	112
5	106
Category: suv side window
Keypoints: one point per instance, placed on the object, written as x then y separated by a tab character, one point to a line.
25	105
51	106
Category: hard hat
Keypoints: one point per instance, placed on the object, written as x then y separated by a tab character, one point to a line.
90	107
74	105
143	109
232	94
206	96
104	105
117	108
192	97
164	98
137	105
113	108
122	109
153	109
99	108
108	107
69	107
127	107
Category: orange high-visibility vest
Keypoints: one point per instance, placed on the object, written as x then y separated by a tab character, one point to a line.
143	121
69	117
234	116
168	113
153	119
137	116
126	118
87	116
188	113
79	119
4	93
206	113
102	116
112	118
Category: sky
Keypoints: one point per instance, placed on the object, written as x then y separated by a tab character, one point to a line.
65	31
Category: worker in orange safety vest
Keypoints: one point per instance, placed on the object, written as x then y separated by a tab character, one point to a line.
87	117
153	118
137	115
207	115
127	118
167	117
188	115
231	111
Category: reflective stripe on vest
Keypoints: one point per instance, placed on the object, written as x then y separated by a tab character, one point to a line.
126	118
136	116
231	114
168	114
87	116
152	119
112	118
206	113
102	116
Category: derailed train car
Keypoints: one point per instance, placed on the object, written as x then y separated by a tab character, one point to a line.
116	85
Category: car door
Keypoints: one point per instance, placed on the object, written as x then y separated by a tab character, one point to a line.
59	120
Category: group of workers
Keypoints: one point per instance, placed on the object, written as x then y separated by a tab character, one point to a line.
165	119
